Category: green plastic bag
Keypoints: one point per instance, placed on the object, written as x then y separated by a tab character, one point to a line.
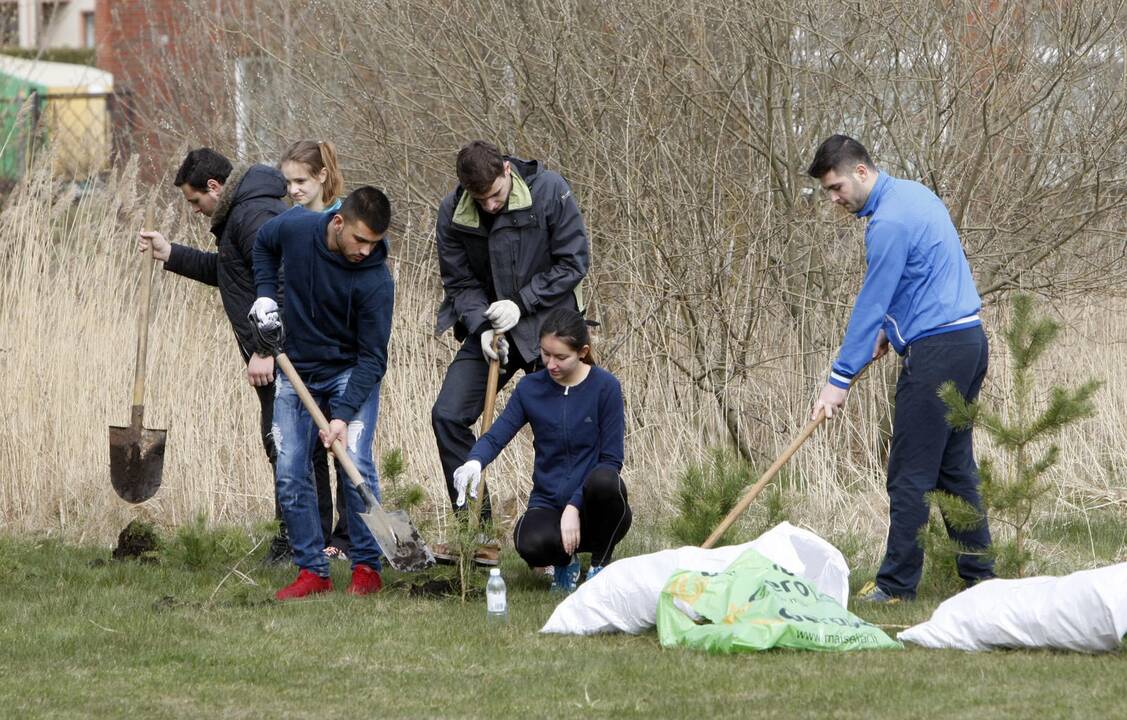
757	605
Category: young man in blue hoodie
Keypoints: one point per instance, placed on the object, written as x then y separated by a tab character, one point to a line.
338	301
919	297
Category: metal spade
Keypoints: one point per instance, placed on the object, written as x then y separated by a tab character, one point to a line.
136	452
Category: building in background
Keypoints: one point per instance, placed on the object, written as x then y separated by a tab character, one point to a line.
52	100
136	43
32	24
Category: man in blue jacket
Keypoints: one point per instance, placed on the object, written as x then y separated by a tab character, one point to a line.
919	296
338	305
237	200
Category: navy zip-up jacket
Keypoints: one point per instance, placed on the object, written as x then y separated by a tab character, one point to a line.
575	430
918	282
337	313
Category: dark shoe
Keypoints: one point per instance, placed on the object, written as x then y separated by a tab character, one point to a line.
365	581
875	595
279	552
968	584
307	583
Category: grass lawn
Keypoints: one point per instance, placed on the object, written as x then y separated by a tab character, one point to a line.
82	638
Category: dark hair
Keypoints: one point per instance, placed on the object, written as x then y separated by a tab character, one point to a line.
318	156
479	165
201	165
370	206
570	328
836	153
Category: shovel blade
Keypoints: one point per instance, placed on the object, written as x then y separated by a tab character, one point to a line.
399	541
136	462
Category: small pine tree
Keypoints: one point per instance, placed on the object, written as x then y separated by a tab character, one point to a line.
393	467
706	493
1010	494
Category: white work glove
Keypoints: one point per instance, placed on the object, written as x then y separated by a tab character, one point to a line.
467	475
502	353
264	314
504	314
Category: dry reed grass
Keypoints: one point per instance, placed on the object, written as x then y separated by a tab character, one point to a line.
67	334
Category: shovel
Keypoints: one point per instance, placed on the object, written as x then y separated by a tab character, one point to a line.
449	554
753	491
136	452
398	539
491	382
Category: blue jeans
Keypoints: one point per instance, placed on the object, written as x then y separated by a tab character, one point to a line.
294	436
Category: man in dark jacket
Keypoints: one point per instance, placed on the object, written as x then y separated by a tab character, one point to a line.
238	200
511	245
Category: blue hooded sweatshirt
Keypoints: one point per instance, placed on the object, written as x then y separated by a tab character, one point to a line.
918	282
337	313
575	430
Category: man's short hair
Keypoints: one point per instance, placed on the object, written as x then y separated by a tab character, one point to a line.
370	206
479	165
201	165
838	152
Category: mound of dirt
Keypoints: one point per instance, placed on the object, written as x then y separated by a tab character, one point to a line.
139	541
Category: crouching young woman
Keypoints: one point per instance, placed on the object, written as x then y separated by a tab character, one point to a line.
578	502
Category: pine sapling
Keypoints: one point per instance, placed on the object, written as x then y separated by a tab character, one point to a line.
1010	495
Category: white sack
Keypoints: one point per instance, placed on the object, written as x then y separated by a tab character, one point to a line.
1084	611
623	597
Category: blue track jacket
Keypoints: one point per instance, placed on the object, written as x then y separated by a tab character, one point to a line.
337	313
575	430
918	281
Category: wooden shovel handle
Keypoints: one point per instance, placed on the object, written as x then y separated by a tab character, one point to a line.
143	321
491	383
322	422
755	489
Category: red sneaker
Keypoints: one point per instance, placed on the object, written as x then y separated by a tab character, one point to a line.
365	580
307	583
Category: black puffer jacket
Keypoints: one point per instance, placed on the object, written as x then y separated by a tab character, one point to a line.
251	196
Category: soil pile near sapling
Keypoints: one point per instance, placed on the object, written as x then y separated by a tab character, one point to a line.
137	541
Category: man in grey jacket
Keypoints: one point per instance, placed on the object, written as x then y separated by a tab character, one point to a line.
511	245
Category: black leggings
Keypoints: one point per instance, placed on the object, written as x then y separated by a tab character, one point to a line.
604	519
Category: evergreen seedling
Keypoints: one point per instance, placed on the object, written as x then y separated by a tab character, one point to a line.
706	493
196	546
404	496
1010	493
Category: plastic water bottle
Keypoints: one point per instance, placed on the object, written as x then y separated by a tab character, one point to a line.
496	607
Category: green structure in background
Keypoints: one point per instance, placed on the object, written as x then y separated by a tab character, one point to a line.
58	105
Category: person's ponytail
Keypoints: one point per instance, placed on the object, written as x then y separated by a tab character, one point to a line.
334	180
